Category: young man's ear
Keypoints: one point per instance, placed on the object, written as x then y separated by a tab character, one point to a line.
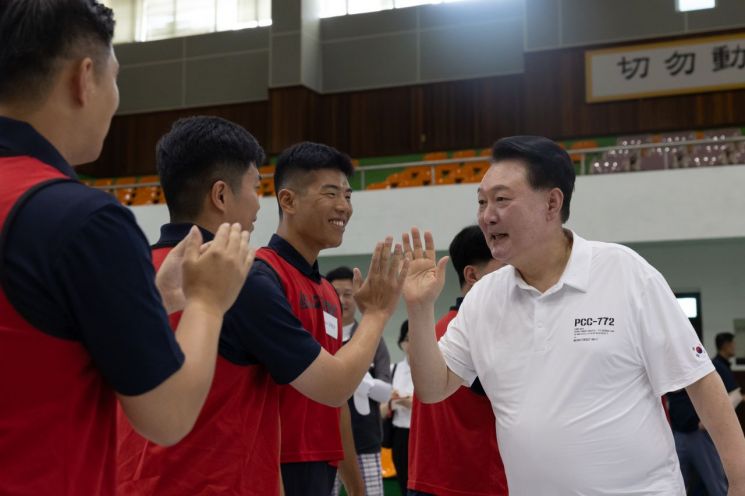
470	275
286	198
217	195
81	80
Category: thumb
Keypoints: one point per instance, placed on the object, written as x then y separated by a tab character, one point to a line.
192	243
356	280
442	266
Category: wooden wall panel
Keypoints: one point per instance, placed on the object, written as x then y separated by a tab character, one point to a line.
547	99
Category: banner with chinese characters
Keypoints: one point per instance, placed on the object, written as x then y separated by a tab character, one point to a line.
692	65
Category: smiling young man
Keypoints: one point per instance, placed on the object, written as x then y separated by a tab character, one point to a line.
574	343
82	322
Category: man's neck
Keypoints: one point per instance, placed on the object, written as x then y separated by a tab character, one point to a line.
308	252
46	123
546	268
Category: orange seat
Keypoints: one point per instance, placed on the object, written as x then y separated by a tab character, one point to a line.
266	187
380	185
149	179
420	173
386	463
435	156
474	171
578	145
445	171
266	170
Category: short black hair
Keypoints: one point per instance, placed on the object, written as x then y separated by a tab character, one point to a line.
548	165
306	157
468	248
36	34
195	153
723	338
340	273
404	333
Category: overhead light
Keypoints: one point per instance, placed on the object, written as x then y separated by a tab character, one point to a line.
689	5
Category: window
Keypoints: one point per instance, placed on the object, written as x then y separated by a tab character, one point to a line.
689	5
145	20
691	305
332	8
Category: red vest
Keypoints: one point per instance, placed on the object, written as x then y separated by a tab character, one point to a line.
453	444
310	430
57	416
232	450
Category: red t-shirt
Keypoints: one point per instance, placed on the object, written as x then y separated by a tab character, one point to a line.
453	444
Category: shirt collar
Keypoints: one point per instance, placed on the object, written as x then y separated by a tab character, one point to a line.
21	139
458	303
291	255
171	234
576	273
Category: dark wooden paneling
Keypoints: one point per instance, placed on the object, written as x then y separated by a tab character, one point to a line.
129	149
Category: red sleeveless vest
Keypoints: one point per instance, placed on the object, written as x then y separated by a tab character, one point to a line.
232	450
310	430
57	416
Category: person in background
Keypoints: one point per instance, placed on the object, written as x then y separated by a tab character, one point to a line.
700	464
366	418
399	407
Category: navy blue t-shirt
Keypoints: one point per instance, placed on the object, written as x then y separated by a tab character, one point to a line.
77	266
260	327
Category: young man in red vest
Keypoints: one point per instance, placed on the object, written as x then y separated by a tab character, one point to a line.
453	444
81	318
208	171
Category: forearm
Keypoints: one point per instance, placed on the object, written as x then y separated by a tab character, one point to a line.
354	358
349	469
715	410
168	412
332	379
432	379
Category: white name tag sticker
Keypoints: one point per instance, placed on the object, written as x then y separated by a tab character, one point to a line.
332	325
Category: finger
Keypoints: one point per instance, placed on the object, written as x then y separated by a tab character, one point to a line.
180	248
204	247
417	240
221	236
192	242
249	260
234	238
385	255
356	280
406	241
429	245
395	266
244	247
404	270
375	260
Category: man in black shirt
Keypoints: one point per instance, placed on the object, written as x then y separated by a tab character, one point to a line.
695	448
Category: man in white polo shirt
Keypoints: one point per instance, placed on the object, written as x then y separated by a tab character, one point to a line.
574	343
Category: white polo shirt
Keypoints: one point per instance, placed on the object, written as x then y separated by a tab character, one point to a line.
575	374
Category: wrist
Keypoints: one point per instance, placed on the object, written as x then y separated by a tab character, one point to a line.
204	307
376	317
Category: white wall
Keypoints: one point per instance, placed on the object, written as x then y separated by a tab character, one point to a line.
690	224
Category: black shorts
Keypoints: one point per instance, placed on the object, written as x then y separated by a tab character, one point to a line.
308	478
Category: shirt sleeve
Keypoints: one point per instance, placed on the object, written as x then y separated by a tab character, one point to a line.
456	347
671	352
262	324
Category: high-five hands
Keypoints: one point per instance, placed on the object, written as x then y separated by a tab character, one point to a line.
426	275
382	287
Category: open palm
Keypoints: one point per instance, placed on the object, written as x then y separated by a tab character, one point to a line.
426	276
